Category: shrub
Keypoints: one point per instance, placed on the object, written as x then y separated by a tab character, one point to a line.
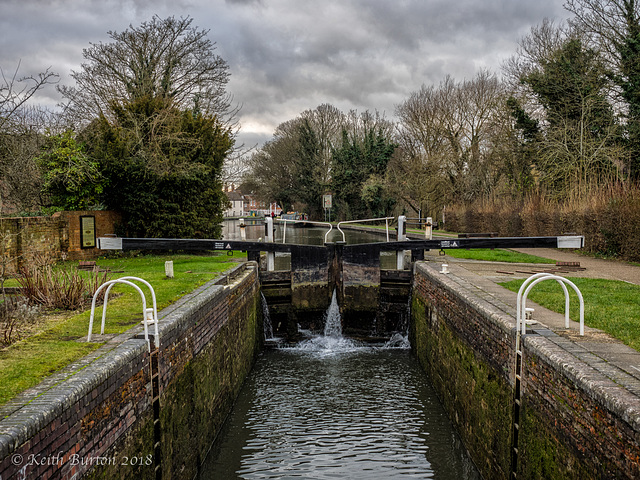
15	314
59	288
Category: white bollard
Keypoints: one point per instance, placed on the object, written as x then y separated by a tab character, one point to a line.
428	231
168	268
268	237
402	236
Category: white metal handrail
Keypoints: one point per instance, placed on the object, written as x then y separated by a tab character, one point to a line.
126	281
526	287
106	298
386	221
285	221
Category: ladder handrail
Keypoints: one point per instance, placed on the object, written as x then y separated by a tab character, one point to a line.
386	219
153	298
144	308
540	277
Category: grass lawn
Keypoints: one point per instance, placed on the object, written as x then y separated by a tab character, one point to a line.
54	345
609	305
496	255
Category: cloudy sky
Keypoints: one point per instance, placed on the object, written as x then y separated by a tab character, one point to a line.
287	56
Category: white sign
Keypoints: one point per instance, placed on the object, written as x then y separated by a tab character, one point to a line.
326	202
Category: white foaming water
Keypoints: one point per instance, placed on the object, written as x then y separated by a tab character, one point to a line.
266	318
331	342
398	340
332	319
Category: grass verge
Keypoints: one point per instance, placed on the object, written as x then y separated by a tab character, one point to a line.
27	362
609	305
496	255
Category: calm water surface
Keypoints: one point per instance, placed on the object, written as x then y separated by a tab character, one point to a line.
306	236
330	409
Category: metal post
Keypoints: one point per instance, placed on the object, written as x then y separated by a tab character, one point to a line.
428	231
268	237
243	233
402	236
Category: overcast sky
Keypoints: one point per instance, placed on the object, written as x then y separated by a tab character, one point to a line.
287	56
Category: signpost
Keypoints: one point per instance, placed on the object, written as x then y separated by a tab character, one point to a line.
326	204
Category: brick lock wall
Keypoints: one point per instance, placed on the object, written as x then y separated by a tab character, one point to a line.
575	422
98	423
465	349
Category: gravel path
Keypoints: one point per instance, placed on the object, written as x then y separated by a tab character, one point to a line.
590	267
595	267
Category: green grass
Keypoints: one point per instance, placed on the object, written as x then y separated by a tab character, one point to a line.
610	305
27	362
496	255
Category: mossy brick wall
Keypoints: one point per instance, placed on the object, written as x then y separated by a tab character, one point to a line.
96	420
466	351
575	423
23	239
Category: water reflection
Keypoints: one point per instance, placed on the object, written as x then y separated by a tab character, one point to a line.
254	231
331	407
363	413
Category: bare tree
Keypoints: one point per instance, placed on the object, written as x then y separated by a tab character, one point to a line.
21	136
162	59
614	28
452	131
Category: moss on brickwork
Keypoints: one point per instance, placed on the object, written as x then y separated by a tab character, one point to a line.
478	400
196	404
543	456
134	458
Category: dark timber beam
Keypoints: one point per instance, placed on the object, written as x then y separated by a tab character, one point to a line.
110	243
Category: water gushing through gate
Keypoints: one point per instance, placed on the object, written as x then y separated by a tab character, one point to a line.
266	319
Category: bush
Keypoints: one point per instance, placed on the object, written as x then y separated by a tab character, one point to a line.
609	219
15	314
59	288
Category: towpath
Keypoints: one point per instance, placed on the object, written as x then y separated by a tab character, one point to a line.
604	353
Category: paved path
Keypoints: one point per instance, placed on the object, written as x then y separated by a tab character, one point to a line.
593	267
605	354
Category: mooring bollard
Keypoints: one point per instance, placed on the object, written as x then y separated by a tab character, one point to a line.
428	231
243	227
268	237
402	236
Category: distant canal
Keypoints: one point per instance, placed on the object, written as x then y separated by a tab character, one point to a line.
315	235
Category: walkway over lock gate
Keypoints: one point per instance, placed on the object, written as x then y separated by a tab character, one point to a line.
301	295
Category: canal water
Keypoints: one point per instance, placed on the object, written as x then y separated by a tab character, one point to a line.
333	408
314	235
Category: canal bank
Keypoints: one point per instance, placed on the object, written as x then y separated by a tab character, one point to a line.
573	413
130	412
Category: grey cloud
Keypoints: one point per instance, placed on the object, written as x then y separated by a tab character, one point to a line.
286	56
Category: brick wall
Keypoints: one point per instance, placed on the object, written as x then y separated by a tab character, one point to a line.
575	421
105	224
96	418
23	239
465	347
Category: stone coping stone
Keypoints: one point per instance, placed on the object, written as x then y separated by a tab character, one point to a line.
600	368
